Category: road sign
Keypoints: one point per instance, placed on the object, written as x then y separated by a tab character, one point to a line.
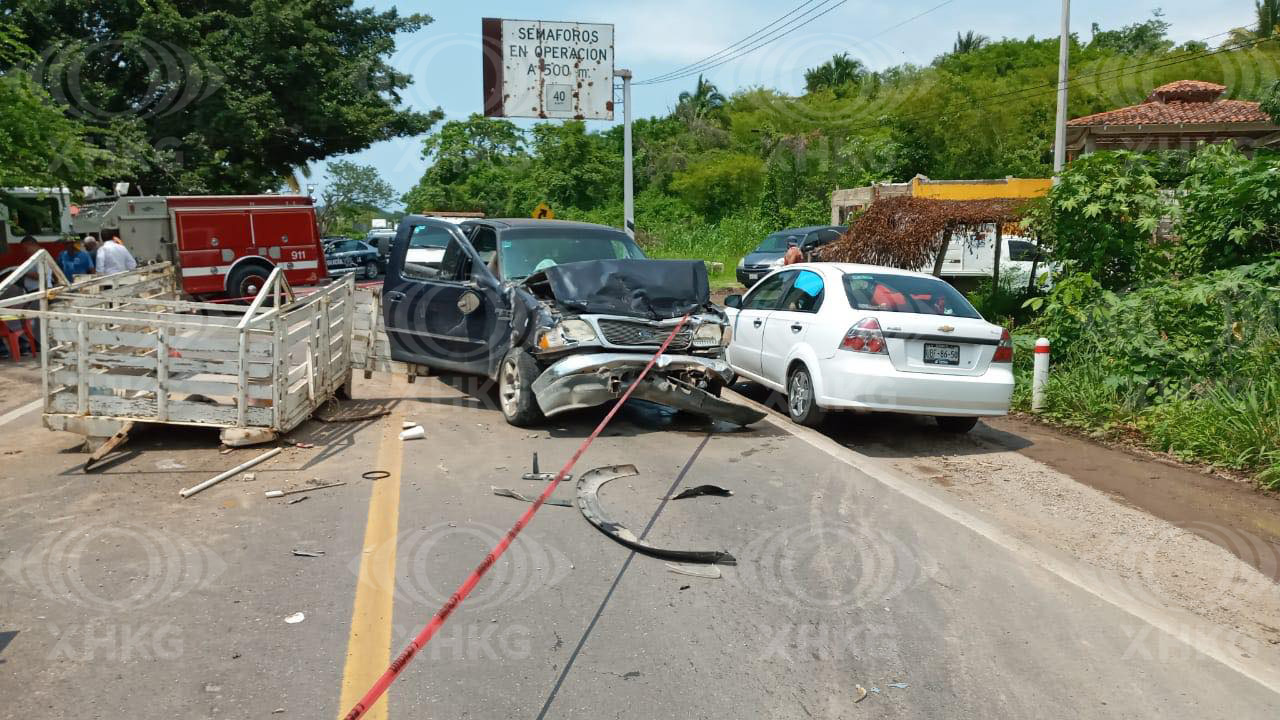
543	212
541	69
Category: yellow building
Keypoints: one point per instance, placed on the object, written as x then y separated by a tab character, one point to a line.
846	202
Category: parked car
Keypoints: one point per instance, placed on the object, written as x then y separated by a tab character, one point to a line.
835	336
344	255
768	255
381	239
563	315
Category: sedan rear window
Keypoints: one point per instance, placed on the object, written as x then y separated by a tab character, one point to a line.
906	294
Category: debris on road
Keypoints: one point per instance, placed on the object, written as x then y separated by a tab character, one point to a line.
589	503
407	424
414	433
862	693
308	553
710	573
223	476
241	437
375	475
282	493
537	476
702	490
119	438
304	445
900	686
509	493
250	477
295	618
169	464
295	501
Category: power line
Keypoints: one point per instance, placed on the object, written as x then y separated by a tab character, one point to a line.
789	27
743	41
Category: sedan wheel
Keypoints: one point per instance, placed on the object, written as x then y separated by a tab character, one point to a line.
802	405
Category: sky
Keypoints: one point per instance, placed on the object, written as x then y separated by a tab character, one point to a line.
653	37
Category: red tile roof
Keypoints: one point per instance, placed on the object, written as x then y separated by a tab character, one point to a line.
1185	102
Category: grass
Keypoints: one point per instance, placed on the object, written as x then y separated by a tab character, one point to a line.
1232	425
724	242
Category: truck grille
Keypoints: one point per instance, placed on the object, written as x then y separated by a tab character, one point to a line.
622	332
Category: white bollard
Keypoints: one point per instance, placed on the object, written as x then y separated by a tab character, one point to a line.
1040	375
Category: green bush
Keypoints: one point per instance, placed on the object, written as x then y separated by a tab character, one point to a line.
720	182
1230	206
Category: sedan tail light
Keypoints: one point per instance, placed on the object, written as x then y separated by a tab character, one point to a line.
865	337
1004	351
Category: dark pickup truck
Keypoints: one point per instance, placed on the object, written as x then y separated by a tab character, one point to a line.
562	315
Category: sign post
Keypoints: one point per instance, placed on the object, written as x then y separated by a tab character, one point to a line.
628	187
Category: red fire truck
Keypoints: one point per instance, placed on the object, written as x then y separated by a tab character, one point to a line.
225	245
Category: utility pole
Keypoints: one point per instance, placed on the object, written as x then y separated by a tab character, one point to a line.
1060	129
628	186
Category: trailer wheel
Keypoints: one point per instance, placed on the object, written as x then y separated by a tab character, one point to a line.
246	280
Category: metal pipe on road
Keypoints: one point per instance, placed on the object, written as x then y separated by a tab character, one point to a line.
1040	375
223	476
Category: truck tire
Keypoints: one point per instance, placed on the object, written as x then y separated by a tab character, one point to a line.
516	374
246	280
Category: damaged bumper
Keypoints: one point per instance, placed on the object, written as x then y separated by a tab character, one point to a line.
582	381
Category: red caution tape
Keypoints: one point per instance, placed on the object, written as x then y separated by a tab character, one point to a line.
420	641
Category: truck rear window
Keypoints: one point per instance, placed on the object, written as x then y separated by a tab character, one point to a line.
905	294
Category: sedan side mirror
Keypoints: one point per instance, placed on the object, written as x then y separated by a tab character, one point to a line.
733	301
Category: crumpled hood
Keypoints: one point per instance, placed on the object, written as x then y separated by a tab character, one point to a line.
653	289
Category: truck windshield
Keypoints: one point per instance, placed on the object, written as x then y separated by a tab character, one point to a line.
777	242
906	294
524	252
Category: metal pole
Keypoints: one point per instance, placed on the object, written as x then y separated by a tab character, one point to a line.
628	187
1060	129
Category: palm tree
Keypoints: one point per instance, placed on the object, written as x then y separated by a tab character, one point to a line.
969	42
704	100
839	71
1268	18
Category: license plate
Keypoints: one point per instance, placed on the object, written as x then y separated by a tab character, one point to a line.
937	354
753	276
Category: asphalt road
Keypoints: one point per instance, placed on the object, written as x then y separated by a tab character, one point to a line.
122	600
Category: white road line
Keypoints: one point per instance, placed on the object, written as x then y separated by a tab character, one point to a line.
1222	644
16	413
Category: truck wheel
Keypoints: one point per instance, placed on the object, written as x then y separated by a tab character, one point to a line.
371	270
246	281
515	389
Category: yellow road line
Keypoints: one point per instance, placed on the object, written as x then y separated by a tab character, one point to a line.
369	644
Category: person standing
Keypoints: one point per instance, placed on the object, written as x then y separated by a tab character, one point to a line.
114	257
75	260
793	255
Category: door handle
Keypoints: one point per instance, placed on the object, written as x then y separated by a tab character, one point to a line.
757	323
797	327
394	296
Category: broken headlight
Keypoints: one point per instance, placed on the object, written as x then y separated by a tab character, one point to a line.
710	335
566	333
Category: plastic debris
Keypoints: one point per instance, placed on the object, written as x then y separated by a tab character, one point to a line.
862	693
408	424
711	572
414	433
295	618
282	493
900	686
701	490
297	500
250	477
308	553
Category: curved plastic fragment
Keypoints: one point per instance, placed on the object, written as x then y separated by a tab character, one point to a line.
589	503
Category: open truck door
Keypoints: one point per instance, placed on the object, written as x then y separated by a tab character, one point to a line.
449	317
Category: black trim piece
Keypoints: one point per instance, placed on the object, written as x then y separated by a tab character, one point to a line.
491	67
941	338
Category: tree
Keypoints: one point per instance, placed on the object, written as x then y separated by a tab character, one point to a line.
473	167
720	182
1268	13
840	71
226	95
969	42
39	145
351	190
1136	39
702	102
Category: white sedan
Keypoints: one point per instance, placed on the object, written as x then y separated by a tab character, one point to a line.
837	336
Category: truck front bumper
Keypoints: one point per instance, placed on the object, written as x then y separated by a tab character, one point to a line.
582	381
